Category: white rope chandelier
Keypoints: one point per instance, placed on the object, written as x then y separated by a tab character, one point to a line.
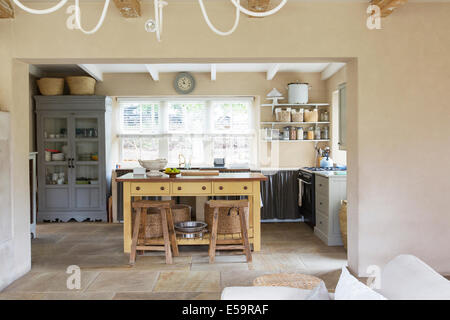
154	25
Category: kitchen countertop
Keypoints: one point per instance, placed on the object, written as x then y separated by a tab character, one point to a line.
247	176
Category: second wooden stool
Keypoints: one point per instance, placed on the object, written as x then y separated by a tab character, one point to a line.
228	206
140	208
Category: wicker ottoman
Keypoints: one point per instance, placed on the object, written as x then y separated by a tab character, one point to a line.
293	280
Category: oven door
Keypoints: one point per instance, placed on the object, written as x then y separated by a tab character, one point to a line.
307	208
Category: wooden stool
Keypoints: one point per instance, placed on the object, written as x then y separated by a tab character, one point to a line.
245	246
140	208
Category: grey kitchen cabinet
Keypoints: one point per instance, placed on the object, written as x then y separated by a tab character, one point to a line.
329	193
72	157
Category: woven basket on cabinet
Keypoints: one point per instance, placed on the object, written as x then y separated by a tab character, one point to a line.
51	86
81	85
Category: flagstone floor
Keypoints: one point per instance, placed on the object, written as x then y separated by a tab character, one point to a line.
105	274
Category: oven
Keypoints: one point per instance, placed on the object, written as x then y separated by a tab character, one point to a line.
307	205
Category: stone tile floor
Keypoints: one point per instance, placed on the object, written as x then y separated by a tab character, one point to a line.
105	274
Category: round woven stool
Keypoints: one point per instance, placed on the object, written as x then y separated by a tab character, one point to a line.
293	280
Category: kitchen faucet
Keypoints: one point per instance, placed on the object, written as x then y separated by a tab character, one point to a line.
181	160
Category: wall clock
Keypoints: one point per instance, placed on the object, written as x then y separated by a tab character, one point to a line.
184	83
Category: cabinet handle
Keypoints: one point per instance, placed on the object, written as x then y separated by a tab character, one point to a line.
320	203
220	188
320	184
138	188
162	188
203	188
320	222
245	187
179	188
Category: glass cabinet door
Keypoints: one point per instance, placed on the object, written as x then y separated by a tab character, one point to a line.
86	161
56	155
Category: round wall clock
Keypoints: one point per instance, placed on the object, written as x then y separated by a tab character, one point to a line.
184	83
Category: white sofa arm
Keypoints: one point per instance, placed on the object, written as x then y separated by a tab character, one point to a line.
264	293
406	277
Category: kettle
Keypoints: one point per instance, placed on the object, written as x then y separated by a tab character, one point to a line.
326	162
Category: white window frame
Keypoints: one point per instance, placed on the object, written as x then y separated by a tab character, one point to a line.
164	134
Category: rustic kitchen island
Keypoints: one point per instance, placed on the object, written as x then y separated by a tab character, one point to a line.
224	184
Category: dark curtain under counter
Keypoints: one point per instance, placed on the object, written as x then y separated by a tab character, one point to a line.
279	195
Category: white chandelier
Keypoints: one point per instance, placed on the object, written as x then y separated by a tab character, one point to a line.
155	25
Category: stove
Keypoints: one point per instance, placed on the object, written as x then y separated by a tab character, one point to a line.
323	169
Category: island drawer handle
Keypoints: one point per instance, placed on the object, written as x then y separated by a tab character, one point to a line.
138	188
162	188
245	187
204	188
220	188
179	188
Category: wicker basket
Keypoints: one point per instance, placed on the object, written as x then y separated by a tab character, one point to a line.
51	86
229	220
258	5
81	85
153	228
343	222
181	213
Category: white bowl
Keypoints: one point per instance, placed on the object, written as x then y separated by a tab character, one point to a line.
157	164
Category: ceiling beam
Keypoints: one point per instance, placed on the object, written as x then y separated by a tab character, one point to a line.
388	6
153	72
213	72
331	69
128	8
6	9
273	69
93	71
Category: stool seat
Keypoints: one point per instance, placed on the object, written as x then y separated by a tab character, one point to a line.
230	204
140	209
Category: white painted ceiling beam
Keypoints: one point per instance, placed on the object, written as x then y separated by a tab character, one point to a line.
213	72
273	69
154	73
331	69
93	71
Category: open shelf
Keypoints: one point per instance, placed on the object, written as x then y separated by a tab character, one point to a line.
304	140
287	123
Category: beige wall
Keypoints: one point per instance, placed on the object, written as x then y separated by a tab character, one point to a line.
292	155
396	203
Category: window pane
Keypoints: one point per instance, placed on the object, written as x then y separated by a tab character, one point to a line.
131	118
235	150
192	148
150	118
130	149
149	148
231	117
187	117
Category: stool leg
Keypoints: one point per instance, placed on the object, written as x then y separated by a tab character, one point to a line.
166	236
173	237
144	227
137	223
244	232
213	239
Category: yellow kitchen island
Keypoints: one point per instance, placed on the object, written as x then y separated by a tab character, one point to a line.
224	184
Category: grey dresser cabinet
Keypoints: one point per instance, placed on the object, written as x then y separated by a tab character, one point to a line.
330	191
72	157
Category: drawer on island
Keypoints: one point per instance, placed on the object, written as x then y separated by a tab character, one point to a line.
150	188
191	187
233	187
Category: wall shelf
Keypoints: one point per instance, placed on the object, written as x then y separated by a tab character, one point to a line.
303	105
272	123
321	140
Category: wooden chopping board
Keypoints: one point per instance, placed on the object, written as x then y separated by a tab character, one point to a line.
200	173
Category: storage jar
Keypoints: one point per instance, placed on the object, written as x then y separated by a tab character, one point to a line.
299	133
297	115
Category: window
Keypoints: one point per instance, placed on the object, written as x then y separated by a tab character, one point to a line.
342	116
201	130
